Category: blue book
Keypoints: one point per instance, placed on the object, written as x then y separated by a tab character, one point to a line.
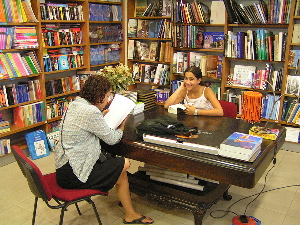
63	63
214	40
37	144
241	142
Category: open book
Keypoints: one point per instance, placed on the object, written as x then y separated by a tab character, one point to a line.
120	107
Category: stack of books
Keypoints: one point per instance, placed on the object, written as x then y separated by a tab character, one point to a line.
241	146
147	97
174	178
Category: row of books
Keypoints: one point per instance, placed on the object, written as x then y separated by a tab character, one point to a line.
272	12
100	54
152	9
24	37
156	74
102	12
291	112
100	33
17	65
270	107
57	107
195	12
162	94
5	147
54	35
62	85
210	65
11	94
61	11
17	11
29	114
260	44
63	59
192	36
249	76
171	177
149	50
18	37
149	28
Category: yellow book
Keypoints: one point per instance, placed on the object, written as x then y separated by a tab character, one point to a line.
6	65
14	65
14	11
21	11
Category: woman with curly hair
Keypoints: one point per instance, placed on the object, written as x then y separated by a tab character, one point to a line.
80	159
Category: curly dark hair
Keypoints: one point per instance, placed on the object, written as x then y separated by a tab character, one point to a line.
95	89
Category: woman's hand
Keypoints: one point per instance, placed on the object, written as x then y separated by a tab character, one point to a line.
190	109
105	112
122	125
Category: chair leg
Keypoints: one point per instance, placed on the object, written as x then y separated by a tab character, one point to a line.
89	200
62	213
78	210
34	210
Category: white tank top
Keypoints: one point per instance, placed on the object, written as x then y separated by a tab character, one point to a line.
199	103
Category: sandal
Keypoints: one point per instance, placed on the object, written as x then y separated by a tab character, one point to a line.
138	221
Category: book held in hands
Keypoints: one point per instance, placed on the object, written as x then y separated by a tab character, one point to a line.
119	108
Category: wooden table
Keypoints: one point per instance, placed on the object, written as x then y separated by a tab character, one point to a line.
227	171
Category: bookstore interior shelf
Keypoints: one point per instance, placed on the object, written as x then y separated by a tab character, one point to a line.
198	50
106	22
62	21
62	94
16	129
259	25
46	21
60	71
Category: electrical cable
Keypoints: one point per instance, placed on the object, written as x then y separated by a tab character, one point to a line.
257	194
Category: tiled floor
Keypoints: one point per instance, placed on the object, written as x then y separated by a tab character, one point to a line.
275	207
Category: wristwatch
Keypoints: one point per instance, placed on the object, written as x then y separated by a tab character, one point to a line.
196	112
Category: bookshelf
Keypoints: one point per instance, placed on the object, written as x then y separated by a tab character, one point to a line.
62	50
149	51
270	64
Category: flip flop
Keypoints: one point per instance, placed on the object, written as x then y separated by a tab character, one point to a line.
138	221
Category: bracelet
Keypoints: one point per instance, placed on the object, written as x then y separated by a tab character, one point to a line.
196	112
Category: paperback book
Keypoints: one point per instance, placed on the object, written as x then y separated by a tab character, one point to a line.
37	144
240	146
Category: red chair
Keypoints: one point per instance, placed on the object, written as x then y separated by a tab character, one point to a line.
229	109
46	188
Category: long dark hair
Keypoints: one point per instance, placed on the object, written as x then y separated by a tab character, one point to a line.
196	71
95	89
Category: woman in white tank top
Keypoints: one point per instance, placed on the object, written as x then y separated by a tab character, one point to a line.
198	99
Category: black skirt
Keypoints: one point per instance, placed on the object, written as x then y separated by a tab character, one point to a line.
102	177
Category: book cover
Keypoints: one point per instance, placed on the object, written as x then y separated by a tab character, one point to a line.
53	138
218	12
243	75
153	51
214	40
119	108
132	27
140	7
63	63
37	144
241	142
296	34
143	28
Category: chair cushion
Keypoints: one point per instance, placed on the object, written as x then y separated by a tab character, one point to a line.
69	194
